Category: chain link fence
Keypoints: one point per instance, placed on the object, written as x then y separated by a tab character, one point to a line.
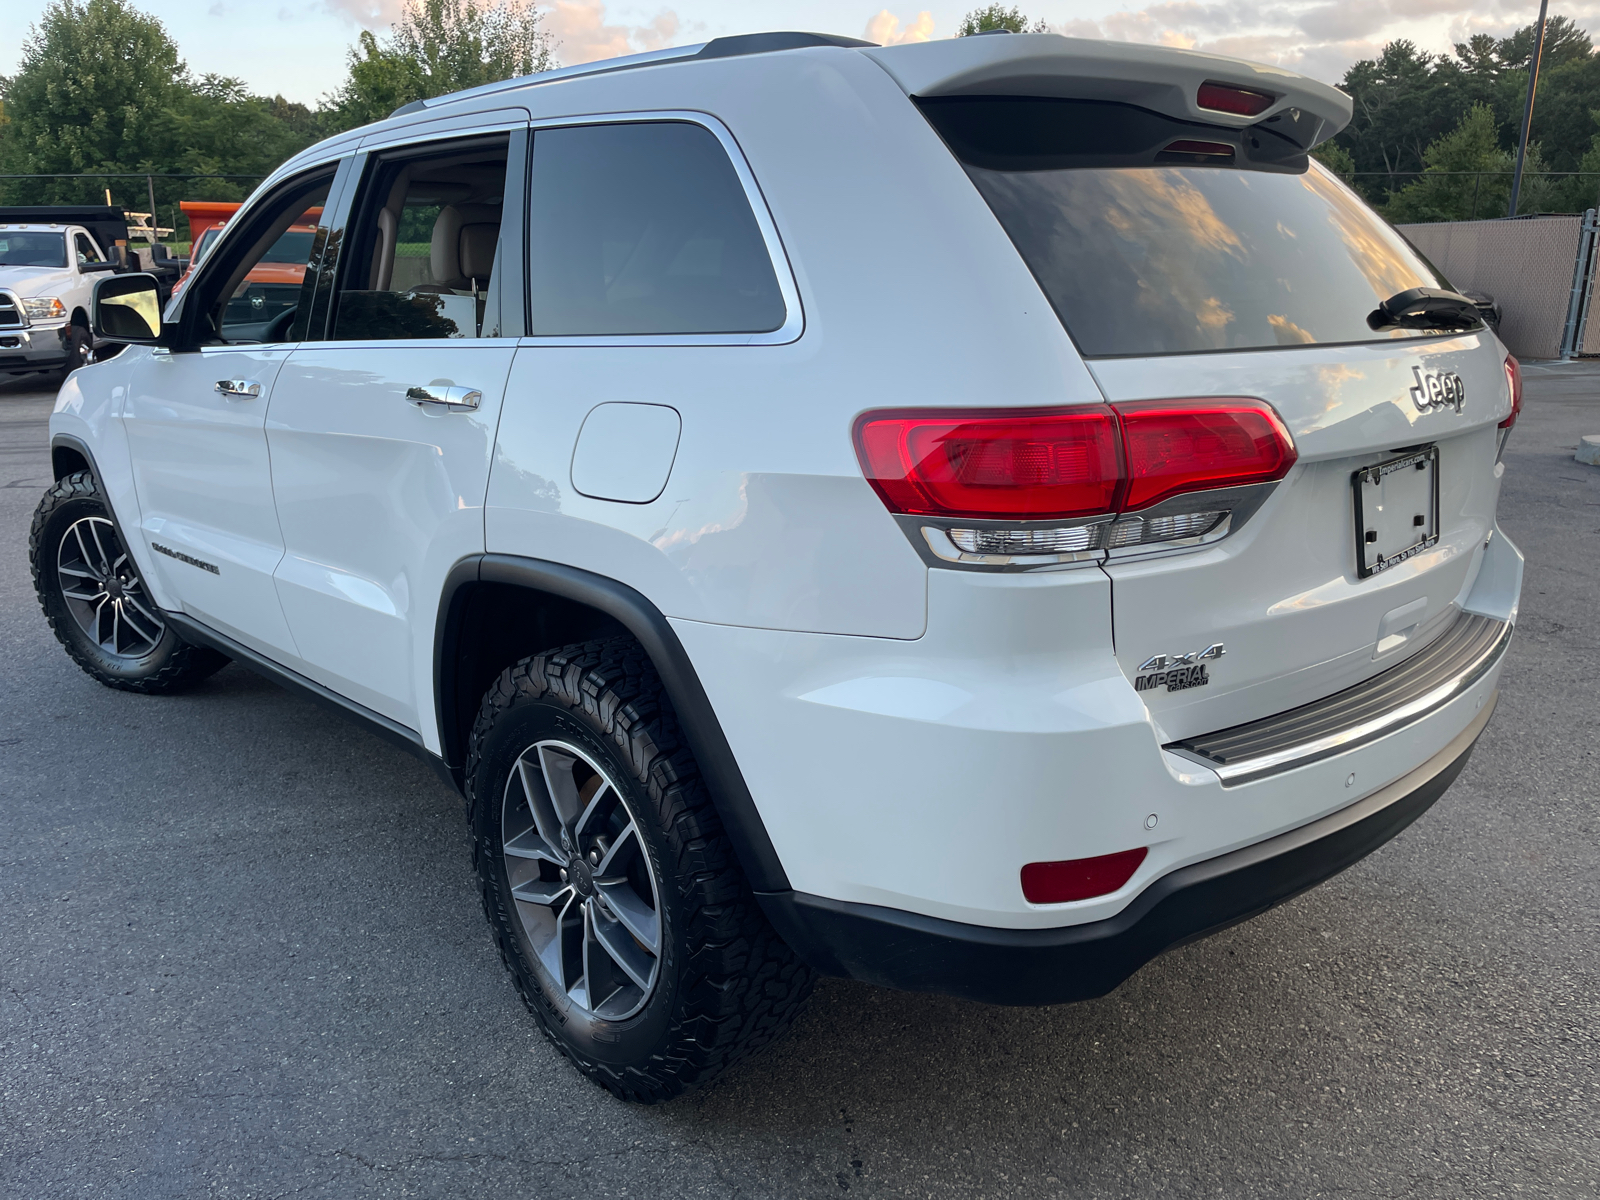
1539	269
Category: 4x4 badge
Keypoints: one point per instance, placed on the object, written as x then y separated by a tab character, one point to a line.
1176	672
1437	389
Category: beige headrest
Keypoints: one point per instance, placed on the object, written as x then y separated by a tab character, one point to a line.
477	250
456	252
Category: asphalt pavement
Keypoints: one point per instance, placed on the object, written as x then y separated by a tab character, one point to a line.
242	955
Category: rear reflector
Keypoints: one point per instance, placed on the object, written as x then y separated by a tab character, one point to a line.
1175	448
1047	464
1514	378
1079	878
1224	97
1018	465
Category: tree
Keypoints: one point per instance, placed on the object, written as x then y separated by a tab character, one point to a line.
1563	42
437	47
1337	159
1468	174
997	16
98	89
101	88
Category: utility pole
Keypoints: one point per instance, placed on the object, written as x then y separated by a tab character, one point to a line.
1527	108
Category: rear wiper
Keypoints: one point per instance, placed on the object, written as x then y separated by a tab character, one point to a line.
1425	308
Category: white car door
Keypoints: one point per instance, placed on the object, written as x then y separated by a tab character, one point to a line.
195	421
380	434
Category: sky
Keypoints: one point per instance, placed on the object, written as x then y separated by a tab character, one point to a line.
297	48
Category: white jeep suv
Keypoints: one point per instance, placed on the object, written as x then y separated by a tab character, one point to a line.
963	516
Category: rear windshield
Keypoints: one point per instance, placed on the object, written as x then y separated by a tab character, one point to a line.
1175	259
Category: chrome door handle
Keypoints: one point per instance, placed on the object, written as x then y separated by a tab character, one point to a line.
239	389
452	399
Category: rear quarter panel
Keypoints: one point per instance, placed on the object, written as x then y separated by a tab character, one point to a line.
912	295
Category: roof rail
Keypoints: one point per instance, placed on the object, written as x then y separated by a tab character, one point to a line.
723	47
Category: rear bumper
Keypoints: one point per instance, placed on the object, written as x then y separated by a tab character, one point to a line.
919	953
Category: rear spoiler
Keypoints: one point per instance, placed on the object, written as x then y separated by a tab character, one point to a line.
109	225
1158	78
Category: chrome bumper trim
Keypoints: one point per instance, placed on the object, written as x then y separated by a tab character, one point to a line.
1389	701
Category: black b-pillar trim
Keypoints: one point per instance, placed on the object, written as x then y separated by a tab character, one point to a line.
644	621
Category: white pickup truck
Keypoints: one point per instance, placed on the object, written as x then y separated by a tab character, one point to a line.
49	261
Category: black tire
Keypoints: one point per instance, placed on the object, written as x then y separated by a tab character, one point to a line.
726	983
167	663
80	349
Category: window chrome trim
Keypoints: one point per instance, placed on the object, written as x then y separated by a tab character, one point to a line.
794	313
420	131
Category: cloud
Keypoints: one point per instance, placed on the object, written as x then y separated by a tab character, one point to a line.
582	34
369	14
885	29
1321	38
579	28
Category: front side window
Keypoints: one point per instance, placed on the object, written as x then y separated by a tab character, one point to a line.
644	229
28	249
86	250
423	247
256	285
1143	250
203	246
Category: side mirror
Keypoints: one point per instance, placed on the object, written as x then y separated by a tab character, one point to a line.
90	268
127	308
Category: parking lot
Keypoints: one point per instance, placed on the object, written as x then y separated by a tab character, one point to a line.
242	954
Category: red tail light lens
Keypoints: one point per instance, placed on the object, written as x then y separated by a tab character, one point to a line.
1079	878
1514	378
1042	464
1008	465
1224	97
1175	448
1207	149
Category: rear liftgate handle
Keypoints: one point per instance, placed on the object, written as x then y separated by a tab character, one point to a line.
239	389
446	399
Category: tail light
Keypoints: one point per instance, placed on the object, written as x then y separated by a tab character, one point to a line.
1205	150
1228	98
1098	465
1175	448
1224	97
1012	465
1514	378
1080	878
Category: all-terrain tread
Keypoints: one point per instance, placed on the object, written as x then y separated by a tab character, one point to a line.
183	668
741	986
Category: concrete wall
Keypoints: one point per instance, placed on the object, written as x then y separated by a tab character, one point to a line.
1525	264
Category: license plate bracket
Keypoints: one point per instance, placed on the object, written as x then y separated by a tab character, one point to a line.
1397	510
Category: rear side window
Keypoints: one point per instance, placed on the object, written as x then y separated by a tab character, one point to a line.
644	229
1148	249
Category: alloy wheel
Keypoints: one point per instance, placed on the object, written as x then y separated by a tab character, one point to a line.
103	592
581	877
